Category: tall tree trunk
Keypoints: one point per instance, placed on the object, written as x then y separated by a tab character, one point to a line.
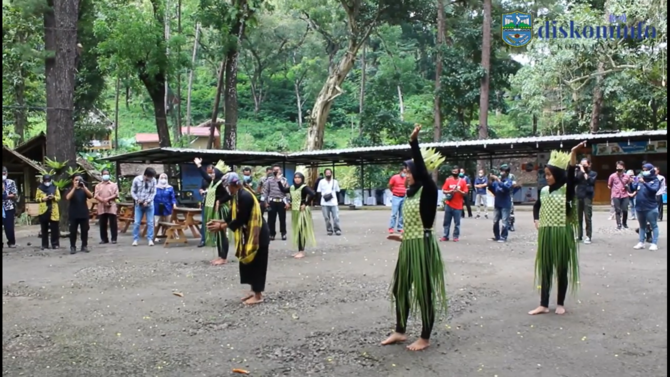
116	114
166	21
128	97
534	130
178	100
598	98
60	36
230	92
437	108
214	125
298	100
155	86
401	103
190	79
654	114
21	109
484	87
361	94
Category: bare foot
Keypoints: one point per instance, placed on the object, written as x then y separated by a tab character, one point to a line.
539	310
560	310
219	262
419	345
300	255
394	339
247	296
254	300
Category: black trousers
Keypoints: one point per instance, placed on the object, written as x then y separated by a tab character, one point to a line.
8	225
427	313
467	203
83	226
585	213
108	219
46	226
301	242
621	209
546	287
659	199
277	209
222	245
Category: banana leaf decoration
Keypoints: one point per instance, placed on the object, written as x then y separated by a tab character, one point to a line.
432	158
222	167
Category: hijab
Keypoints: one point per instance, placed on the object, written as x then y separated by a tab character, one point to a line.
413	188
164	185
301	176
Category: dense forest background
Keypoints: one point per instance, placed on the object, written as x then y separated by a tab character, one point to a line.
288	75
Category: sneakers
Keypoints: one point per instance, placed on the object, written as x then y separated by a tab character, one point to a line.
444	239
151	243
639	246
391	231
455	239
502	240
134	243
653	247
587	240
401	231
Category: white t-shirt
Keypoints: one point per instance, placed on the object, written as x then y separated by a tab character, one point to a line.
328	187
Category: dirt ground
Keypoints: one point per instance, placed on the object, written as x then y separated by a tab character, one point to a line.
113	312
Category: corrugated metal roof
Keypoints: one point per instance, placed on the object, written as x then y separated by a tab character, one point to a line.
191	131
28	161
484	143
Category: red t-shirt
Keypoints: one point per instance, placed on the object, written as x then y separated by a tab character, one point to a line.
451	184
397	185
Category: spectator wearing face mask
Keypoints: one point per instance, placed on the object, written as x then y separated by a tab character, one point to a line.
9	196
481	183
647	207
618	184
48	196
398	187
631	193
585	189
455	190
466	198
165	200
329	188
78	213
106	193
143	191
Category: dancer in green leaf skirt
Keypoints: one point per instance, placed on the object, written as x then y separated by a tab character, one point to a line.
217	207
301	216
418	283
555	218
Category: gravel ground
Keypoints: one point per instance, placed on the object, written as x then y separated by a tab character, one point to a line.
113	312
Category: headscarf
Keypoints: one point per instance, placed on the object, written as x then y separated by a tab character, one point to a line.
48	190
229	179
158	183
414	187
298	175
560	179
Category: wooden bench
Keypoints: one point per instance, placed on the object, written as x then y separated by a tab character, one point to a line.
174	233
92	209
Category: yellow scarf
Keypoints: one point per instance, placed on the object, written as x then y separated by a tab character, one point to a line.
247	237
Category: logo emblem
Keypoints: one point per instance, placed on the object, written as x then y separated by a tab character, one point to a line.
517	29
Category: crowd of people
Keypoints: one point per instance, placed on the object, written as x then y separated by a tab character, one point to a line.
562	214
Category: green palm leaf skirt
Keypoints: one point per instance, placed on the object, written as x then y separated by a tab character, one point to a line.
557	251
211	238
419	277
303	228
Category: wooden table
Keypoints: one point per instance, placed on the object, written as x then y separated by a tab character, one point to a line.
125	215
92	209
189	219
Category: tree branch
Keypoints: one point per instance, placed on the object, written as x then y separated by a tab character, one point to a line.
329	38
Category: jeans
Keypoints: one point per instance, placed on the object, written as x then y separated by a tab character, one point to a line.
651	218
480	201
396	212
331	214
203	228
449	214
141	212
585	213
501	214
8	224
659	200
632	211
621	210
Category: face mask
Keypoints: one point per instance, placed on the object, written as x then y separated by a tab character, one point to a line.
47	184
247	179
646	173
454	174
402	175
4	176
619	170
481	174
461	174
105	177
162	181
328	177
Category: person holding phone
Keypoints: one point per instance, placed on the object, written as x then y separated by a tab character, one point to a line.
276	202
106	193
79	215
618	184
48	196
455	190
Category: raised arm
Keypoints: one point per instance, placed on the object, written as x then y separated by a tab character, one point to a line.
284	189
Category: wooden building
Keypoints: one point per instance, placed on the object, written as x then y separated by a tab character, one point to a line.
24	172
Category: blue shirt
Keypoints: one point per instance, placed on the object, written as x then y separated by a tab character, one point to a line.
164	200
502	191
646	188
481	181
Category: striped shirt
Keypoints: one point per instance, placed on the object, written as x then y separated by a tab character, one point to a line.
143	191
10	189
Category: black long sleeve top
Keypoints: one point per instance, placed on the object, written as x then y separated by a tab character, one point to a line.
306	194
220	193
570	182
428	203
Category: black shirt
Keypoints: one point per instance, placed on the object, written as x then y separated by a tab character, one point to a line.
585	186
78	205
